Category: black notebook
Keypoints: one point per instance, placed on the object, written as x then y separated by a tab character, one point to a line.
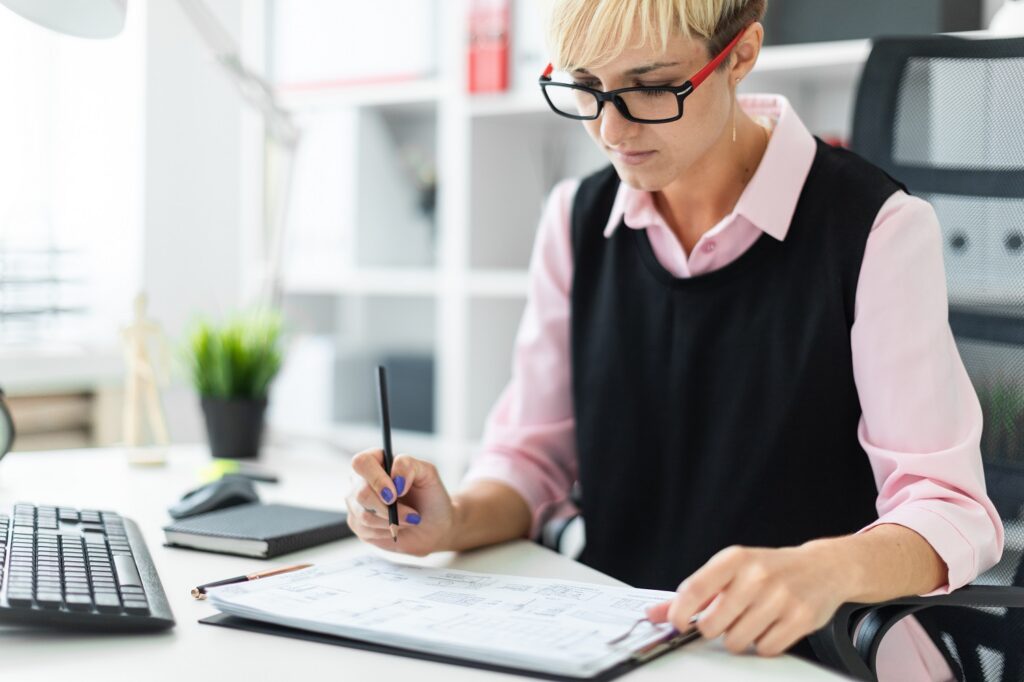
258	530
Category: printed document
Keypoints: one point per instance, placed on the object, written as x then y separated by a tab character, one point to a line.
540	624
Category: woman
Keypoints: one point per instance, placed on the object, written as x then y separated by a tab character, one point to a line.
736	340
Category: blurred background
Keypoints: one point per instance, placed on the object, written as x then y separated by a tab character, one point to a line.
423	155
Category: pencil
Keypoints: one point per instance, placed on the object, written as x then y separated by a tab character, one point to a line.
385	428
200	591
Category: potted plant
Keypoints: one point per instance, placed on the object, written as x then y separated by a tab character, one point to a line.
232	366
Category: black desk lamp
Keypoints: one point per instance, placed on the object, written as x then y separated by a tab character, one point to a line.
6	427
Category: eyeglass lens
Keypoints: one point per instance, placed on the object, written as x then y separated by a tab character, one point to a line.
648	105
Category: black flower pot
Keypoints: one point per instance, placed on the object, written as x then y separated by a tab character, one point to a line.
234	426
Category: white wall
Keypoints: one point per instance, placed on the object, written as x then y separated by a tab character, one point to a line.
193	207
989	8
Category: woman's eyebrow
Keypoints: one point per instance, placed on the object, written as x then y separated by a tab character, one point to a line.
640	70
650	67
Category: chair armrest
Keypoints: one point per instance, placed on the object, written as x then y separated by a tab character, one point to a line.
835	645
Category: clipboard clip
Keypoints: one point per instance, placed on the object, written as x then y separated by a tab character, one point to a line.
625	635
672	640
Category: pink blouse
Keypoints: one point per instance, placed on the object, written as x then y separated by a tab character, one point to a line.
921	421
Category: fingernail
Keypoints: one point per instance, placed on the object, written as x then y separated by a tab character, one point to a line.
413	518
387	495
399	484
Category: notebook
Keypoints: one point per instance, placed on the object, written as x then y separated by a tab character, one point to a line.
554	629
258	530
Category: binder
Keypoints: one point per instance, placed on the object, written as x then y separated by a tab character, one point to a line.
638	659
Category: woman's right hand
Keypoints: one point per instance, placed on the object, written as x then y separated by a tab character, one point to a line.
425	512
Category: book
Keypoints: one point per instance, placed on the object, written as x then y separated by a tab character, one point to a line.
258	530
556	629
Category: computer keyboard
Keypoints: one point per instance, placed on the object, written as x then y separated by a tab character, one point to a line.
62	567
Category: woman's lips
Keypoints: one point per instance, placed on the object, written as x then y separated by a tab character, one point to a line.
633	158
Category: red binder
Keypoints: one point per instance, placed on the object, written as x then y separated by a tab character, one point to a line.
488	45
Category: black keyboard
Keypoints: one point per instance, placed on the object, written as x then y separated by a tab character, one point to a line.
62	567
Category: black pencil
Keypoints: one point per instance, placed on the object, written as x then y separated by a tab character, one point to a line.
385	428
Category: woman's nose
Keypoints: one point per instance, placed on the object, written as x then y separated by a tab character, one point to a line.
615	128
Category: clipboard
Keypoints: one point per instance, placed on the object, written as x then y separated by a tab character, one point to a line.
638	659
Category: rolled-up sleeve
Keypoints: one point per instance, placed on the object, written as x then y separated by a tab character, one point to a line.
529	436
921	419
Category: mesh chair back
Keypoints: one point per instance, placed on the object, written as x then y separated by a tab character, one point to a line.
945	115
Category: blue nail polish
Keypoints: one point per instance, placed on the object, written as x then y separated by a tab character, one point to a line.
413	518
399	484
387	494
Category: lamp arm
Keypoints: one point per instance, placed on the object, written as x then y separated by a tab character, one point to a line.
255	89
280	127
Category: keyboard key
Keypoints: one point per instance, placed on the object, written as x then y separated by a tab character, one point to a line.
107	602
49	600
19	597
127	573
79	602
139	608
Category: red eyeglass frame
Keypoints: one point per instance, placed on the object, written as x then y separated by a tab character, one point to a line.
613	96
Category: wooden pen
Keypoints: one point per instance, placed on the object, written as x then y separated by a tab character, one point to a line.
200	591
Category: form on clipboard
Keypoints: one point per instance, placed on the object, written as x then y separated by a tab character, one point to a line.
552	628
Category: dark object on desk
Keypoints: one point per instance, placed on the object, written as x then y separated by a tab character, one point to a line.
258	530
228	491
234	426
6	429
942	114
385	427
225	620
87	570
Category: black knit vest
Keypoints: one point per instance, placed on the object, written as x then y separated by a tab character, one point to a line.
720	409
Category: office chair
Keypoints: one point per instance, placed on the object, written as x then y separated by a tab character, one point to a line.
943	115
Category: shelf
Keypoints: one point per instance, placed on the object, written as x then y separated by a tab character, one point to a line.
511	103
353	437
825	57
400	95
498	283
36	370
371	281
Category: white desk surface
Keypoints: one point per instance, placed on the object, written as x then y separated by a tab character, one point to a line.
102	479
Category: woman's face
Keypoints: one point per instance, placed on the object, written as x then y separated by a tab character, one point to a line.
650	156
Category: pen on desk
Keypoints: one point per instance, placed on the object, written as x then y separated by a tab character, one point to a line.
200	591
385	428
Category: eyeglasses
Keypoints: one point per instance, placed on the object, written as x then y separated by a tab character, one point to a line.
638	104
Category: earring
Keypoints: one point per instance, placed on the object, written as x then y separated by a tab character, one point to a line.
734	106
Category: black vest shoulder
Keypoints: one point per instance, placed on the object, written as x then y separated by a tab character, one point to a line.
720	409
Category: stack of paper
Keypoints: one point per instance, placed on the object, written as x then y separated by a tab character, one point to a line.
544	625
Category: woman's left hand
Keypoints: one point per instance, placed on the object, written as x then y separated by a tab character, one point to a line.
768	598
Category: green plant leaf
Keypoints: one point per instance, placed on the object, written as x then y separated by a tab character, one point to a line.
238	358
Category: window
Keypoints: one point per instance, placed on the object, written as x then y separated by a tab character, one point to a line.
70	182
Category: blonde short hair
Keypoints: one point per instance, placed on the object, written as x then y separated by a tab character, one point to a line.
590	33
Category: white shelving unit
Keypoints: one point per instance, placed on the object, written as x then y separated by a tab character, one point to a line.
383	278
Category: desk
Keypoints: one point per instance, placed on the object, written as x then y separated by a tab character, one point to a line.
102	479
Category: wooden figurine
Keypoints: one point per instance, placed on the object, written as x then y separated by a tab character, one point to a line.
142	380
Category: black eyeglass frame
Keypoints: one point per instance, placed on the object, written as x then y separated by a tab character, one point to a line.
613	96
680	92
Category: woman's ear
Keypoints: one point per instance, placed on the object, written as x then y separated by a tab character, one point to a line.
746	52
